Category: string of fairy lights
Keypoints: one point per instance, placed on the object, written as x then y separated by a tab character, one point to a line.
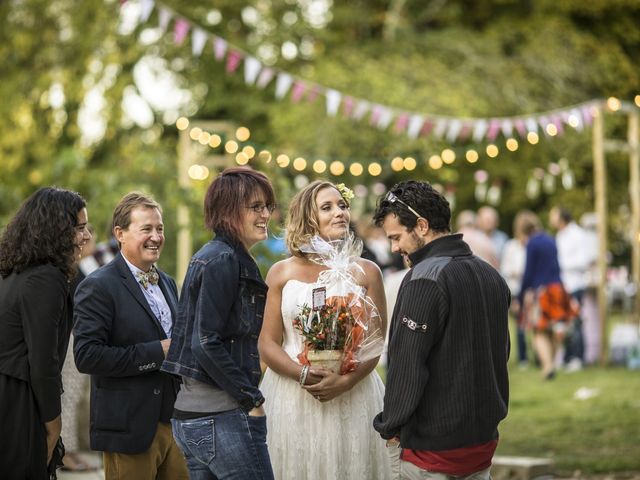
244	152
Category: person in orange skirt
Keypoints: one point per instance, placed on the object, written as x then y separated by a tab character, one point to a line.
546	308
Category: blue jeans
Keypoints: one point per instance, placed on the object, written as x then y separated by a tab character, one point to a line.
226	445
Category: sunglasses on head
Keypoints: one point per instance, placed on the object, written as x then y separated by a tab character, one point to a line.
392	198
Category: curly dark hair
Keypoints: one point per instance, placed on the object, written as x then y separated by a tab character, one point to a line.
420	196
42	231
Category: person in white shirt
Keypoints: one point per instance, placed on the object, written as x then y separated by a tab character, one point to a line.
575	255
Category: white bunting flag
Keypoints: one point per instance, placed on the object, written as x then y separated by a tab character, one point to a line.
440	127
198	39
361	109
164	17
479	129
283	83
507	127
146	9
251	69
333	101
266	75
386	115
415	125
455	126
531	124
219	48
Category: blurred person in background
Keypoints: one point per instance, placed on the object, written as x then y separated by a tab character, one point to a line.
39	252
544	303
488	221
76	392
480	244
512	268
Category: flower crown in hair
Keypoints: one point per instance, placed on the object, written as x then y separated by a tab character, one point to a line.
346	192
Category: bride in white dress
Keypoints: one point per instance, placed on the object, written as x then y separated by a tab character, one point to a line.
322	430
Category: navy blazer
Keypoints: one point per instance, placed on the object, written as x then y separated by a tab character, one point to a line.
117	341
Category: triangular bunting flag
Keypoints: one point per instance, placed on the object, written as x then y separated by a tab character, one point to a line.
401	122
198	40
333	101
146	9
455	126
164	17
266	75
507	128
233	60
347	106
283	83
361	109
440	127
180	30
479	129
219	48
415	125
251	69
298	90
532	125
386	115
494	128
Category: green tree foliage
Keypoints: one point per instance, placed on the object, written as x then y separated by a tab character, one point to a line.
450	57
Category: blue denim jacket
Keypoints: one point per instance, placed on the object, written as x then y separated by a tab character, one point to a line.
215	337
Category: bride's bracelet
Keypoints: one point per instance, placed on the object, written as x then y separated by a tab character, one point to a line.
303	374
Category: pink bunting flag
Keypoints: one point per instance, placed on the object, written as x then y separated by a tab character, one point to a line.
494	128
219	48
376	111
520	127
587	117
427	126
313	93
298	91
465	131
401	122
557	121
347	106
180	30
233	60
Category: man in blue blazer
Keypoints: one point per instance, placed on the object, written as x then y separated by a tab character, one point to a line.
123	317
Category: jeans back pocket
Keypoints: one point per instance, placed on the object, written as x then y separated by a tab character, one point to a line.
198	438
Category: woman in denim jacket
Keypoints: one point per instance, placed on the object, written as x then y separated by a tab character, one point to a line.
219	422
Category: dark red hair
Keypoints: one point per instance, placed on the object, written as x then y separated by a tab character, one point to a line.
229	194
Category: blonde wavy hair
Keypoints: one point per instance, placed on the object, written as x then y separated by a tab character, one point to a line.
302	218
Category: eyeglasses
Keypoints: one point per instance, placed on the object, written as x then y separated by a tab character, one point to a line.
259	208
392	198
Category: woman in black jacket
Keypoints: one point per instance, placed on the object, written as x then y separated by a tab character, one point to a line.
39	251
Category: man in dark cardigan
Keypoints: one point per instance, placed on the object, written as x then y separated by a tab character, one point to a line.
447	383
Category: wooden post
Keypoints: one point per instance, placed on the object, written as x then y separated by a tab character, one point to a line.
634	193
600	181
183	250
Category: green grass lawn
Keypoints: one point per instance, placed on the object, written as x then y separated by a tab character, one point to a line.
596	435
600	434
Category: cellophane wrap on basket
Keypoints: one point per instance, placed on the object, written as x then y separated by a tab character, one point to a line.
348	320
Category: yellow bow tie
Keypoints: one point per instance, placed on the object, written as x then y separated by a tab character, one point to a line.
150	277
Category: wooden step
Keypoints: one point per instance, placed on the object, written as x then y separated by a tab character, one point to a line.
521	468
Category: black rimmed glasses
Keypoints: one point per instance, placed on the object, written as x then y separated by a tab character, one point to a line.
392	198
259	208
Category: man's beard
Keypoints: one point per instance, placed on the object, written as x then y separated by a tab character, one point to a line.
418	243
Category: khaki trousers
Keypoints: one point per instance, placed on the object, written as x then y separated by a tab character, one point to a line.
162	461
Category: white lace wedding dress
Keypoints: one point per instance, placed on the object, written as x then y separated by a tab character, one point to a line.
310	440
